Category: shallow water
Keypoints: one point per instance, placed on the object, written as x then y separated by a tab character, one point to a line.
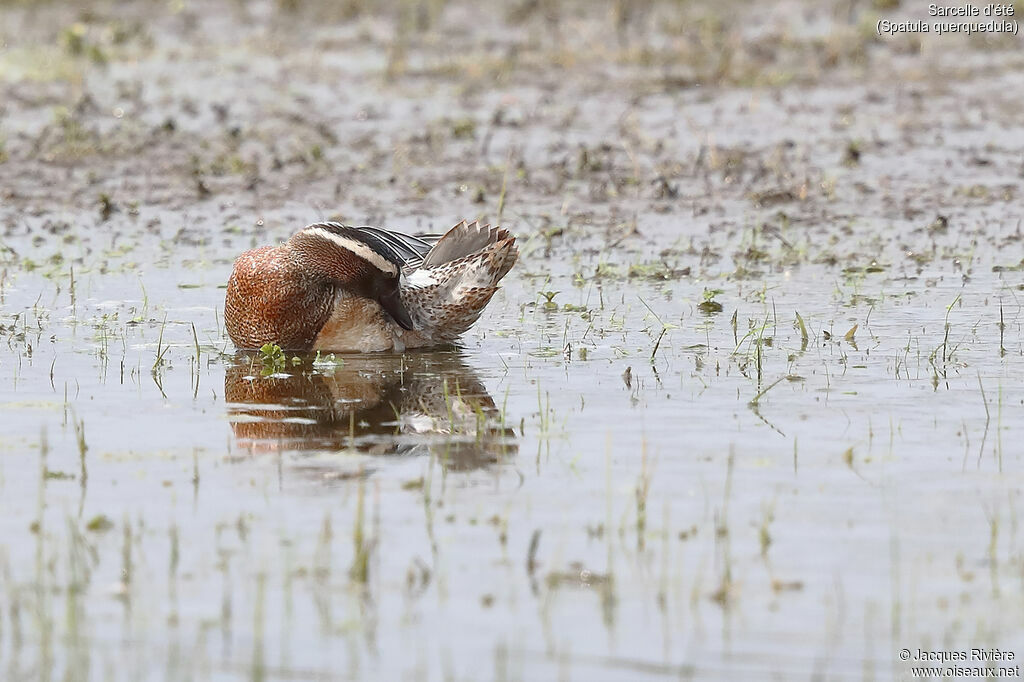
544	517
608	478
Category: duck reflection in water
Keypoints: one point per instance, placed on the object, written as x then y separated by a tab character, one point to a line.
411	404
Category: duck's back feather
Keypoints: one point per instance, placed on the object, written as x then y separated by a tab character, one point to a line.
401	249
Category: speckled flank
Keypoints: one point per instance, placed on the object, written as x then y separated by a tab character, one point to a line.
322	291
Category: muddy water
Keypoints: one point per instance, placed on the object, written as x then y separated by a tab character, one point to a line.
748	407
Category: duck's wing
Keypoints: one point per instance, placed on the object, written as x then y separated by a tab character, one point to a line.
411	250
396	247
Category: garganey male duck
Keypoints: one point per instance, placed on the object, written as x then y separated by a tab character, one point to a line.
360	289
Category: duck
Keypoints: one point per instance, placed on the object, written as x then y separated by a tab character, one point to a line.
346	289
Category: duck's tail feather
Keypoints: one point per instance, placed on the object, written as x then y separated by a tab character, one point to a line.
462	240
457	279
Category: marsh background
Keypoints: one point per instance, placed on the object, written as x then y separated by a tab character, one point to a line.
749	406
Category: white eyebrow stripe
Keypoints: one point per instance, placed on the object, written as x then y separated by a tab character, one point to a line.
358	248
